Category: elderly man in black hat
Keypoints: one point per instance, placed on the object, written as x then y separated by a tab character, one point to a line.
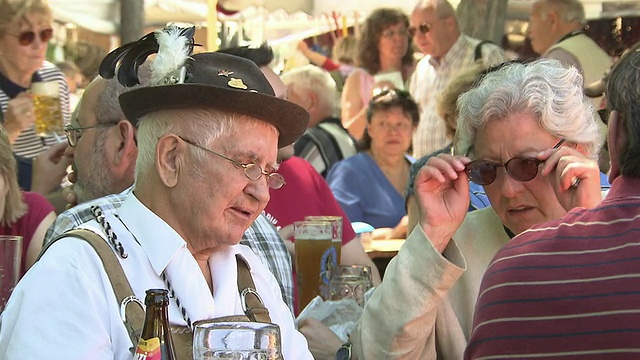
208	136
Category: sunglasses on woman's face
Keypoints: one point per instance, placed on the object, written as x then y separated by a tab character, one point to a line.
424	28
26	38
521	168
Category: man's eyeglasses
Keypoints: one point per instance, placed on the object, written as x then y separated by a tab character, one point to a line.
423	28
26	38
251	171
75	133
521	168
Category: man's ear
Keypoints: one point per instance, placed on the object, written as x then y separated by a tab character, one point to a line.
126	149
170	156
616	139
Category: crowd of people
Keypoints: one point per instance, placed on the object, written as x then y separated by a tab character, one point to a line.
515	198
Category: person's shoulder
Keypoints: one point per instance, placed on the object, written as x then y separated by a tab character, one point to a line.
35	199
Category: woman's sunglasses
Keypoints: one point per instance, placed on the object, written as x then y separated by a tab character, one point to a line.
521	168
423	28
26	38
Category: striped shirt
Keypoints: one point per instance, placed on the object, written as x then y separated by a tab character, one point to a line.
261	237
568	288
431	77
28	144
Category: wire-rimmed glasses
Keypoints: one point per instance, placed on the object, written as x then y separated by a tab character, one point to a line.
251	171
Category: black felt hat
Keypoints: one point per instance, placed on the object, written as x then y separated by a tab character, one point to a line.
225	83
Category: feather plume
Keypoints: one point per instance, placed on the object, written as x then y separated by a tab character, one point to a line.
175	45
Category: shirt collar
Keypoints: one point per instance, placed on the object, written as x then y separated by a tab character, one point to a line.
148	230
12	89
450	55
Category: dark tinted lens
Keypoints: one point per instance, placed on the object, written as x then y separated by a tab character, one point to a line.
46	34
26	38
424	28
523	169
482	172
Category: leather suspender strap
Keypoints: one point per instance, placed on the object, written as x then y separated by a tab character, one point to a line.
252	304
132	316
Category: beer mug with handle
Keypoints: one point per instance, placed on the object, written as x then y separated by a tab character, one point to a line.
213	340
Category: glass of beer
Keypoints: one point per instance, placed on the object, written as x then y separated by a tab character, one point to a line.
350	282
236	340
313	261
10	264
336	233
46	107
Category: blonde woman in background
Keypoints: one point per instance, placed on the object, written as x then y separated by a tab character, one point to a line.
25	214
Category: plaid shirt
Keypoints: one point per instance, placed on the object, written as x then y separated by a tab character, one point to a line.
431	77
262	237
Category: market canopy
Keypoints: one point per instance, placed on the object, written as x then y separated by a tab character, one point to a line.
103	16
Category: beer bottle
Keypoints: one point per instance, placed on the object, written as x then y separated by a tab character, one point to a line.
155	341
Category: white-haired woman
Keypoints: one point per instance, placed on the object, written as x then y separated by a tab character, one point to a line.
530	138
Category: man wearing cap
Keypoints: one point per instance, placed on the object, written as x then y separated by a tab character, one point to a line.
208	135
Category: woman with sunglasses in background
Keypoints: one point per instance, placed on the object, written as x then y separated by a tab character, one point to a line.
370	185
25	31
532	141
384	50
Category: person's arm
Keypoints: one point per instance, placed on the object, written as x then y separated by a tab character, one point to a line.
353	253
37	240
353	111
399	318
316	58
49	168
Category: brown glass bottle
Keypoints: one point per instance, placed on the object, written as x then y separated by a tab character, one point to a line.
155	342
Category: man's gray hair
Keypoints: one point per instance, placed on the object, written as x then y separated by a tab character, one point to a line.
544	89
201	126
568	10
317	80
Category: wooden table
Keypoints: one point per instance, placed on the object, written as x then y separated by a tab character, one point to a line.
382	251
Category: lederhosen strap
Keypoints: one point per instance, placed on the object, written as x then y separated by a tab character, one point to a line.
252	304
133	316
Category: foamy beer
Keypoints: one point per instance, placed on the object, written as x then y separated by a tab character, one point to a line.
336	233
46	107
313	245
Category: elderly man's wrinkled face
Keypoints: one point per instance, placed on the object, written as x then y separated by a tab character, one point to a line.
519	205
227	202
431	35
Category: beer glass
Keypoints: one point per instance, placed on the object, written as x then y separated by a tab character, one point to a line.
236	341
350	282
336	233
46	107
10	263
313	260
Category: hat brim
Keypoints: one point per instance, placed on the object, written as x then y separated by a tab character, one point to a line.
290	119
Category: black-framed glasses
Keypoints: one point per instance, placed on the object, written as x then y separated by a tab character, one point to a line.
75	133
423	28
26	38
521	168
251	171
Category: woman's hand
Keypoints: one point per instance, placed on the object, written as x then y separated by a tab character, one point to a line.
442	191
575	178
19	115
